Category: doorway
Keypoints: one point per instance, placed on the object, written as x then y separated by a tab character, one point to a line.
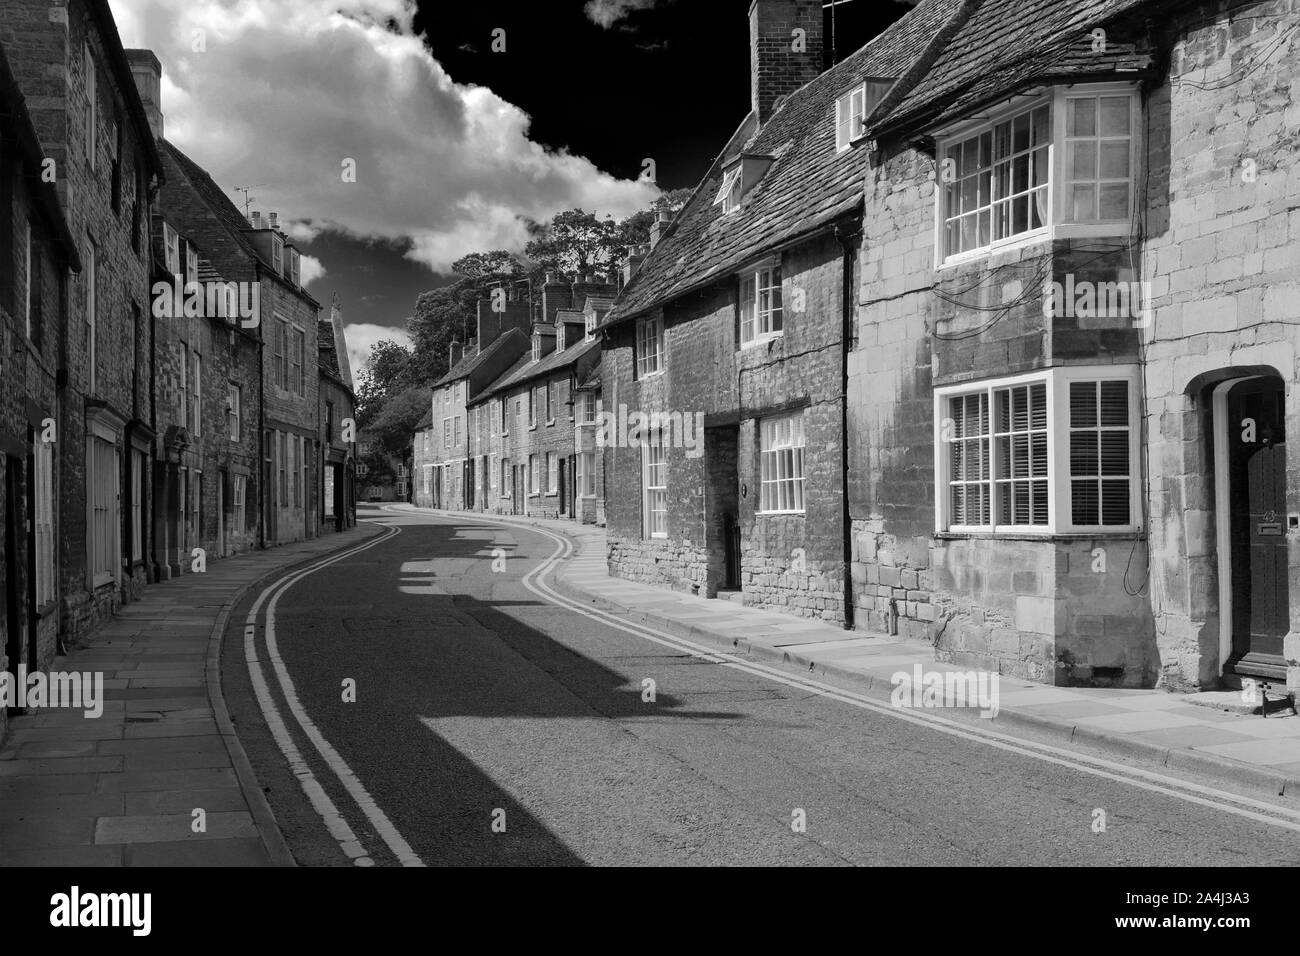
1251	485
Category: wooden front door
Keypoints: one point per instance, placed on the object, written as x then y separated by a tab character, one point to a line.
1257	492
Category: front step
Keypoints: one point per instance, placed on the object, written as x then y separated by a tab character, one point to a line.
734	596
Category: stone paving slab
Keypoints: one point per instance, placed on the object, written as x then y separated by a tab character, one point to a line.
119	790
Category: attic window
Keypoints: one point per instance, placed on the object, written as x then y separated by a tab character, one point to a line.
729	192
537	348
852	109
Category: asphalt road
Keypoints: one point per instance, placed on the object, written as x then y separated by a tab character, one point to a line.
492	728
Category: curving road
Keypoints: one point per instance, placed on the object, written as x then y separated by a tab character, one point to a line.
491	726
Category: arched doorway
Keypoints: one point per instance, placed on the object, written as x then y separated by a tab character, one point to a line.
1252	524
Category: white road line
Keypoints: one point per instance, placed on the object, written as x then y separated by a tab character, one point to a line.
1188	791
334	820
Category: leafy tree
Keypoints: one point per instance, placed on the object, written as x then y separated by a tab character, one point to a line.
393	426
385	370
488	265
574	242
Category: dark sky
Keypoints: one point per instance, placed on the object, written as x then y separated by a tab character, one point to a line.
669	82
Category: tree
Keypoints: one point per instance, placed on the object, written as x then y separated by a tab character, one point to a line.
488	265
393	427
574	243
385	371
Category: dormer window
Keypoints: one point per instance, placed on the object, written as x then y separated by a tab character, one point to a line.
277	254
853	107
591	326
537	348
191	263
729	193
295	267
171	250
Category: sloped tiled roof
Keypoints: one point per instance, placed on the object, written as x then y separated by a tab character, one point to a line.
426	422
525	370
1009	44
466	365
807	186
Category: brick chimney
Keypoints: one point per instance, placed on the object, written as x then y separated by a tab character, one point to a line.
781	61
456	354
556	295
147	73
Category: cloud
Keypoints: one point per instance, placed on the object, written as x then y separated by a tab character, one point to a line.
310	269
363	335
285	92
607	13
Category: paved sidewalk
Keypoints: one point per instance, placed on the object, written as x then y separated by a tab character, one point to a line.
1263	753
121	789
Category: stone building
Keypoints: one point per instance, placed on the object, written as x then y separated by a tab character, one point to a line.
523	429
723	377
337	416
424	493
456	475
70	67
37	252
1077	343
264	266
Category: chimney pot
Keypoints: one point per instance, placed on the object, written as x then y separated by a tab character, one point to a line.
257	219
274	220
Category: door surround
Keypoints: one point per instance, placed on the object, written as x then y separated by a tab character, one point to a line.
1223	507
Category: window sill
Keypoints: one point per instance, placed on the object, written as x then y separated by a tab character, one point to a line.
1064	536
646	375
550	422
1048	234
782	514
761	340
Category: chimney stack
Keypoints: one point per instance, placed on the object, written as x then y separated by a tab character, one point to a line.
146	70
556	295
635	256
274	222
785	50
256	219
663	219
456	354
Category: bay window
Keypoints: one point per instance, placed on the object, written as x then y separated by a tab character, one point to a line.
1059	165
1049	452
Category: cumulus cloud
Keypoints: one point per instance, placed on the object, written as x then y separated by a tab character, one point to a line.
285	93
606	13
310	269
363	335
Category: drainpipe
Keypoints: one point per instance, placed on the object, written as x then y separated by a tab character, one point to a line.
848	237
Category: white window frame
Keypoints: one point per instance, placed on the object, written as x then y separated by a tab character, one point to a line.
1056	226
761	319
27	291
507	477
654	497
534	475
1058	430
446	433
586	466
92	107
850	106
552	473
191	263
650	332
234	413
196	405
43	455
238	495
277	255
137	505
782	471
171	250
104	509
729	192
586	408
92	307
550	411
297	358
